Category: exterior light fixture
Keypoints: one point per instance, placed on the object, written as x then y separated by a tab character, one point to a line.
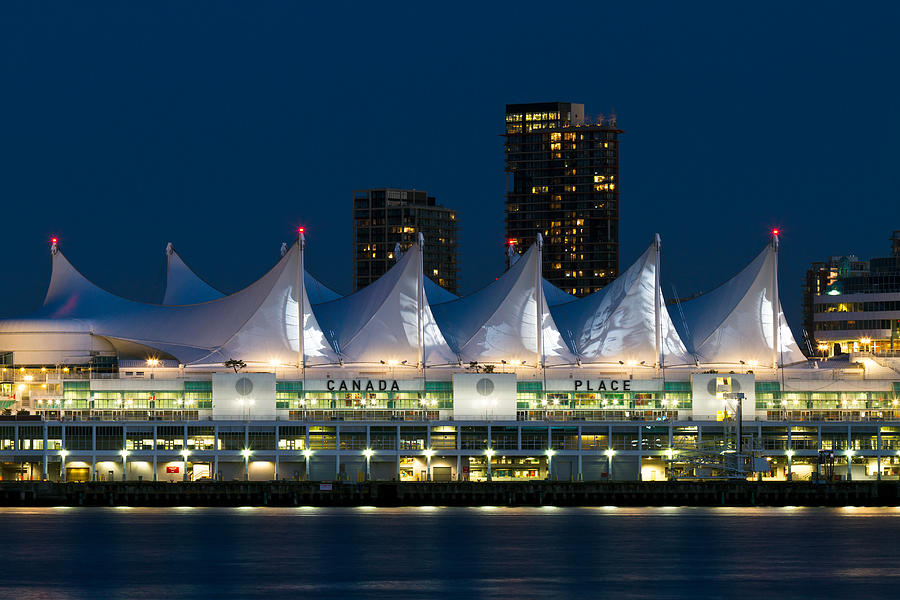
246	452
307	453
790	453
429	452
489	452
609	452
64	453
551	452
368	452
185	454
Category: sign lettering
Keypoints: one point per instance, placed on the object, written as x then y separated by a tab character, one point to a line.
602	385
362	385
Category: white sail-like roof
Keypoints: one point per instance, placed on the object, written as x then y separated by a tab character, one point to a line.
183	286
734	322
619	323
500	321
257	324
552	294
436	294
388	321
556	296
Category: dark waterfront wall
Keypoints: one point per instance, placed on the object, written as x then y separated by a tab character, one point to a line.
291	493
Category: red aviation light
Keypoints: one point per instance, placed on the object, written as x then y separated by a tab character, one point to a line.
512	242
776	231
301	229
53	240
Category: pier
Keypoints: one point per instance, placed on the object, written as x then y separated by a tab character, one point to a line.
391	494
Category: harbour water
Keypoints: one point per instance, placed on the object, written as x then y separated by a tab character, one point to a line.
432	552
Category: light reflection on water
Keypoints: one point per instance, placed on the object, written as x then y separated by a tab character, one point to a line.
491	552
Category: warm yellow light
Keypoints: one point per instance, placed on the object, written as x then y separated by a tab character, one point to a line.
865	341
65	369
551	452
274	363
152	362
368	452
489	452
29	377
609	452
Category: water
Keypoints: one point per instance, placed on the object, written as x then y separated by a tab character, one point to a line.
449	553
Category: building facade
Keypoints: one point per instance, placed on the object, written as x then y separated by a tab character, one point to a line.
383	218
154	422
563	180
853	305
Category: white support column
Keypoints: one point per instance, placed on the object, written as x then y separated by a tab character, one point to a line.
216	450
277	452
878	433
337	452
580	476
155	454
44	475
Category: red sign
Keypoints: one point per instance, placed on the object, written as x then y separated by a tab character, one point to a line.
171	469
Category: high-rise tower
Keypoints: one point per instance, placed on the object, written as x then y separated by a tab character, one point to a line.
563	180
383	218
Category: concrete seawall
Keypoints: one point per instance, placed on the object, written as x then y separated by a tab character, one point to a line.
291	493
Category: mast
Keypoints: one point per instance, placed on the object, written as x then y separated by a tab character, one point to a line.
420	300
657	294
301	296
540	301
776	302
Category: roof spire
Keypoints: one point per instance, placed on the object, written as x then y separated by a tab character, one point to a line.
170	249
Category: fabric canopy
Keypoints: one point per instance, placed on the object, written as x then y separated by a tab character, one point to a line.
619	323
734	322
500	322
388	321
183	286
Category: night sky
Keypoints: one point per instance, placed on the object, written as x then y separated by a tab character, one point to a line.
222	126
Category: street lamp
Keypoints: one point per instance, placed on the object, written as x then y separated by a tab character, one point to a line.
62	461
124	454
850	454
368	452
306	454
790	457
184	454
550	453
609	452
428	454
246	452
490	454
823	348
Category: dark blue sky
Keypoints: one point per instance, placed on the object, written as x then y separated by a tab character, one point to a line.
222	126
